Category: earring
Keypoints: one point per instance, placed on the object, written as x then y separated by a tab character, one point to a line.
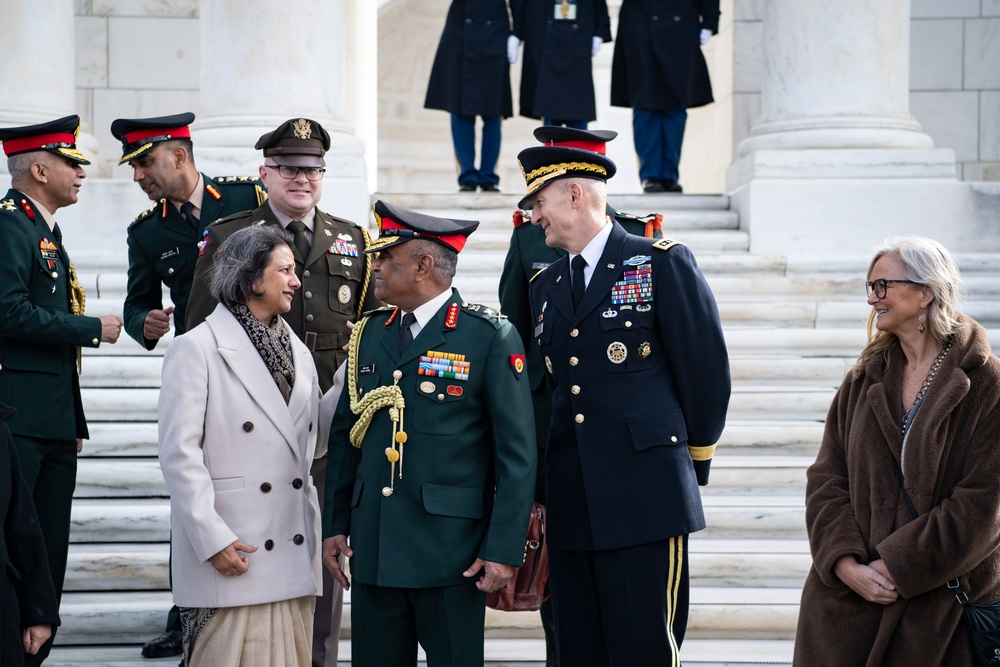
921	319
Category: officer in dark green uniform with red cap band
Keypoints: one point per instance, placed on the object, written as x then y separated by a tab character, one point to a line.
163	240
43	326
432	454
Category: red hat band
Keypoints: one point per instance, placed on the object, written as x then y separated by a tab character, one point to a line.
182	132
37	142
454	241
592	146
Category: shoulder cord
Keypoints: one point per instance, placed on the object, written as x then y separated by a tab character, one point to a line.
376	399
368	273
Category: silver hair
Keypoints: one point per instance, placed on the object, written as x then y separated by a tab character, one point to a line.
240	262
445	259
19	167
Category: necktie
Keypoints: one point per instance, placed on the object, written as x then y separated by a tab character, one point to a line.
56	232
187	210
405	334
579	282
298	230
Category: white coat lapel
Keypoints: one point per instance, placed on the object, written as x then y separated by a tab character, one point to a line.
245	362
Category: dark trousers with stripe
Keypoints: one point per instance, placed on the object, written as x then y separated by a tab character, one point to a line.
623	607
49	468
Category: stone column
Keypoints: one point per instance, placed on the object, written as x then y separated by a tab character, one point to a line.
836	162
39	66
361	51
263	62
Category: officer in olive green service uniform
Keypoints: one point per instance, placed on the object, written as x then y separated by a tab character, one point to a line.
329	251
42	326
432	455
163	240
526	256
330	262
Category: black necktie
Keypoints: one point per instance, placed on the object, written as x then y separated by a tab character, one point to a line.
579	282
298	230
405	334
56	232
187	210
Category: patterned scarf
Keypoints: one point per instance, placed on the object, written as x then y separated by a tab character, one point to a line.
274	346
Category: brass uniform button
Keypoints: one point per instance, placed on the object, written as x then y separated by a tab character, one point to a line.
573	361
440	397
575	389
55	274
579	419
308	295
96	341
628	324
386	491
310	318
574	333
306	274
170	271
673	438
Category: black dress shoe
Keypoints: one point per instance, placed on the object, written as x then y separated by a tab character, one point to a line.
670	185
653	185
489	187
164	646
467	187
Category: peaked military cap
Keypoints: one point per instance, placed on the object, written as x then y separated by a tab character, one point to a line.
543	164
141	135
56	136
298	142
399	225
568	137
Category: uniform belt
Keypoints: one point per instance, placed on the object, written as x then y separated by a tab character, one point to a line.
325	341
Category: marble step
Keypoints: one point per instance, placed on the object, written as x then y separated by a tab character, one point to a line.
119	478
498	653
433	204
117	567
729	515
715	613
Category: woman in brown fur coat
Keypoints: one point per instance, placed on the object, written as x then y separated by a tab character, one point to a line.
876	594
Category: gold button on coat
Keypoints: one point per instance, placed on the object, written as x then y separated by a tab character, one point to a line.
579	419
574	333
170	271
575	389
628	324
673	438
95	341
573	361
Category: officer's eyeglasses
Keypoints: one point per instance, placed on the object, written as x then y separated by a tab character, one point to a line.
312	173
881	285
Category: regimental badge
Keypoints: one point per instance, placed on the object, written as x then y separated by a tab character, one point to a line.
302	129
454	390
617	352
548	365
206	238
49	252
342	247
644	349
427	387
517	365
344	294
635	286
444	365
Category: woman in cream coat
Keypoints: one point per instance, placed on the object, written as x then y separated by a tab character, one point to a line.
238	419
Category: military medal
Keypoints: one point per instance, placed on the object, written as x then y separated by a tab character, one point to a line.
344	294
548	365
427	387
444	365
617	352
342	247
644	349
635	286
49	252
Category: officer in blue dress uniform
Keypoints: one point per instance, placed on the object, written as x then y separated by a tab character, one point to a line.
635	317
435	389
163	240
43	327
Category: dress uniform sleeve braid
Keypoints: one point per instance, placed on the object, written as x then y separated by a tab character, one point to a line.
367	278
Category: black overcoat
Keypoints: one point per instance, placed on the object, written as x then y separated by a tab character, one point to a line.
658	62
26	594
471	76
557	78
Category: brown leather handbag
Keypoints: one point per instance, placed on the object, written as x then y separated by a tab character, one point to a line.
528	588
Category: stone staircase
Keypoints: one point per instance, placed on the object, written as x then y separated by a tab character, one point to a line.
792	325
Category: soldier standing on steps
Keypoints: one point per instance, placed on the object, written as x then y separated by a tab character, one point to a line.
163	245
527	255
330	262
622	484
163	240
42	327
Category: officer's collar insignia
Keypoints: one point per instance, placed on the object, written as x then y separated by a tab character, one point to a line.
451	319
392	318
163	208
328	232
302	129
26	207
211	189
637	260
609	313
611	266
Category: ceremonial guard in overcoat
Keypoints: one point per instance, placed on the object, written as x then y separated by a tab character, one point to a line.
635	318
163	240
432	459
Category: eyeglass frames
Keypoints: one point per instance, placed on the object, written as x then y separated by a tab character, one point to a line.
312	173
881	285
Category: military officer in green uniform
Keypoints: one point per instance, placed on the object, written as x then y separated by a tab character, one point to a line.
42	326
330	262
527	255
432	454
163	240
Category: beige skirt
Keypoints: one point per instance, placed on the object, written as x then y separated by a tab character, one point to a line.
278	634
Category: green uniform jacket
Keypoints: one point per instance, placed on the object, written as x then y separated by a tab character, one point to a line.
38	334
526	256
334	289
466	441
163	248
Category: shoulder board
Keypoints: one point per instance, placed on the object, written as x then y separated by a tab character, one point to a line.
521	218
537	273
229	218
377	311
249	180
8	205
147	213
328	219
261	194
666	244
492	315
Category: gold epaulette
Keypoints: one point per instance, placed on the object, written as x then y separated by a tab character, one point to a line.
261	194
238	179
145	214
702	453
666	244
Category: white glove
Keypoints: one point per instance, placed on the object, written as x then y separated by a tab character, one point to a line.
595	46
706	35
513	43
